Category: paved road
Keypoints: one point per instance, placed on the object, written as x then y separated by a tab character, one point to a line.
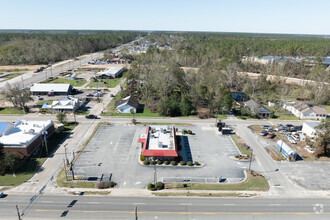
108	207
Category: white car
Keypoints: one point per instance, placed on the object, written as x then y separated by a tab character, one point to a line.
291	140
1	194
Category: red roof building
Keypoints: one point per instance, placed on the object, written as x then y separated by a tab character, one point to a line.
159	142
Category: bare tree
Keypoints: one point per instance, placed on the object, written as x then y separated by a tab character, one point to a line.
17	96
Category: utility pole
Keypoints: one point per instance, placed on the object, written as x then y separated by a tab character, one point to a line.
155	173
251	159
71	168
74	115
66	175
136	216
19	216
51	69
66	156
45	140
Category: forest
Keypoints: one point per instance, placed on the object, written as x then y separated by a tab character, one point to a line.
42	47
168	89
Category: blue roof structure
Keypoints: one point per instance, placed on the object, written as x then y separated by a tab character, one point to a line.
3	126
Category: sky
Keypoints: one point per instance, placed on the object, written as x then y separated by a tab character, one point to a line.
255	16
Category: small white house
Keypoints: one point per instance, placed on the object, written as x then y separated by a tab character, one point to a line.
127	105
66	104
309	128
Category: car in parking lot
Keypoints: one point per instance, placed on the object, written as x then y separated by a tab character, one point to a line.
265	126
111	95
295	137
270	135
292	141
270	129
40	98
1	194
263	133
91	116
289	125
90	95
279	125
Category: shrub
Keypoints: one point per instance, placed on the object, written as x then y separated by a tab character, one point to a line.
151	187
105	184
182	163
184	131
184	185
159	162
173	163
142	157
166	162
152	162
189	163
189	132
146	162
159	186
196	163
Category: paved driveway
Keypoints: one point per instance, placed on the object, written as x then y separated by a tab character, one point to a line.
114	150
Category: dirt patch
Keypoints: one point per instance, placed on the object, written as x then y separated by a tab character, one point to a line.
25	67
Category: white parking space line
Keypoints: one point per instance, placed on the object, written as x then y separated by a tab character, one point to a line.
229	204
185	204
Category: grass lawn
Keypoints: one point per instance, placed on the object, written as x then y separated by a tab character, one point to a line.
110	83
28	168
10	111
13	75
220	116
253	182
61	182
77	82
239	141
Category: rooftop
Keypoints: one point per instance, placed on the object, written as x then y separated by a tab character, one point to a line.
47	87
24	132
111	70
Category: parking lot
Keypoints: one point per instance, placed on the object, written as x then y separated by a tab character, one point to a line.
114	150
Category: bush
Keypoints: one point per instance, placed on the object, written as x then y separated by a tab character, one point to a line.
184	185
189	163
189	132
159	186
151	187
173	163
196	163
152	162
182	163
105	184
146	162
159	162
184	131
166	162
142	157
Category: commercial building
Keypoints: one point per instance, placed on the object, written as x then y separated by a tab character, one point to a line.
111	72
159	143
51	89
23	137
309	128
306	110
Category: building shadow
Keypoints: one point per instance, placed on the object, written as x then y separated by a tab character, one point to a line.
185	151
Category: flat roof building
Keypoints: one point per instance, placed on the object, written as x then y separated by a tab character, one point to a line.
159	143
53	88
23	137
111	72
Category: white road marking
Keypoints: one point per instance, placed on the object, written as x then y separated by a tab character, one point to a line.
111	142
137	183
185	204
271	123
229	204
274	204
124	183
93	202
139	203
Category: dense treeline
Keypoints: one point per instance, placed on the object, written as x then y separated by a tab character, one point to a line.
42	47
171	91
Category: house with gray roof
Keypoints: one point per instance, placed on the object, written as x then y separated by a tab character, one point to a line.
257	108
127	105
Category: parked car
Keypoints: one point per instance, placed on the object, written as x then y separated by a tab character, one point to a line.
36	71
263	133
91	116
301	136
265	126
50	94
111	95
270	135
270	129
295	137
279	125
282	131
292	141
40	98
90	95
289	125
1	194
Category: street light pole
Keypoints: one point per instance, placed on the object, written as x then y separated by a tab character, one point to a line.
251	159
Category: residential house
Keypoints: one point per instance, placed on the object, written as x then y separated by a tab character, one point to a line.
257	108
127	105
66	104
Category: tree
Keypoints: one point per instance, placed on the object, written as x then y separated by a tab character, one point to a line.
228	102
2	164
10	161
17	96
322	140
61	116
